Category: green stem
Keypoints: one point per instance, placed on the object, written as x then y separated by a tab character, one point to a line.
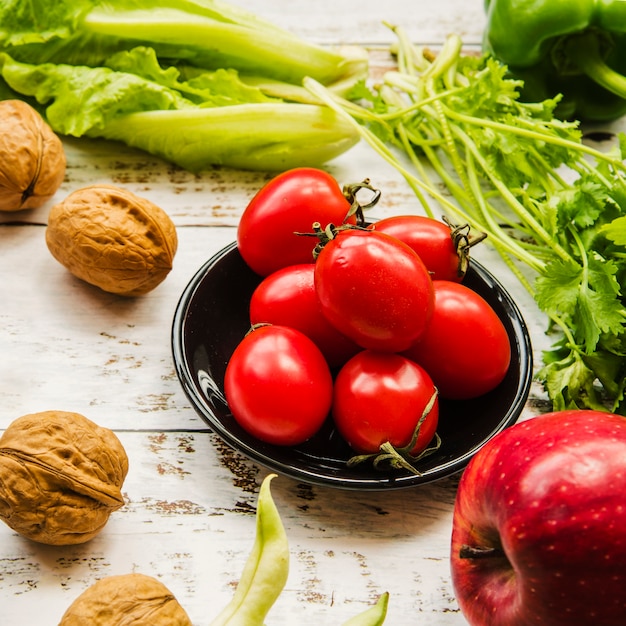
414	88
515	205
486	215
445	60
458	193
505	242
585	51
450	146
334	102
417	164
538	136
583	257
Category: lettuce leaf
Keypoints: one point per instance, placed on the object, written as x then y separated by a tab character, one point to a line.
205	33
152	112
197	82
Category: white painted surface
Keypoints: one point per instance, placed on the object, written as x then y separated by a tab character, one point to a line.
189	517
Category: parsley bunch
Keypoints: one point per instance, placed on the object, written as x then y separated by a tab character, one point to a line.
553	207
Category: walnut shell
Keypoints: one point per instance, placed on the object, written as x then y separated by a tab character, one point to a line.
32	159
134	599
60	477
113	239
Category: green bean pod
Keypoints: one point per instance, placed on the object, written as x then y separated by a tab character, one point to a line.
265	572
374	616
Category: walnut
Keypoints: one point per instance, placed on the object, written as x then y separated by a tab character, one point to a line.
32	159
111	238
134	599
60	477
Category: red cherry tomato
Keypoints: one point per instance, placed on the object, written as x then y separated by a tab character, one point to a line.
465	348
380	397
288	204
287	298
278	385
374	289
435	242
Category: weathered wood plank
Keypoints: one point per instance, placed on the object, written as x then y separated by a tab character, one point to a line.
189	521
189	513
329	22
68	345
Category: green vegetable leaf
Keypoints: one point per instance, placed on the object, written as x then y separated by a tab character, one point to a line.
557	288
602	274
83	100
361	91
588	299
220	87
266	137
615	231
200	83
206	33
608	368
552	206
594	315
580	204
100	102
570	384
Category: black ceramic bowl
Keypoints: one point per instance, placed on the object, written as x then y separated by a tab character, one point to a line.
212	317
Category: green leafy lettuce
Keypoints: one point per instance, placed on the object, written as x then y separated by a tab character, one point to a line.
197	82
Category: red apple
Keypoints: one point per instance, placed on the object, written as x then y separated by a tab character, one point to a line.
539	526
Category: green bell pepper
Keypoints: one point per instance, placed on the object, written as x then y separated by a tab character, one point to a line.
576	48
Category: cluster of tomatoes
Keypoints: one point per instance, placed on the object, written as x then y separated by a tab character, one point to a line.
368	323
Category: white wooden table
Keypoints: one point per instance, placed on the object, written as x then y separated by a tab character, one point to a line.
189	513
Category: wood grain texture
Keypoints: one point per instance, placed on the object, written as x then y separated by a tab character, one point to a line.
189	520
190	499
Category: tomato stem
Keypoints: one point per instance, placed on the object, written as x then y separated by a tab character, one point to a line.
356	208
327	234
462	243
401	458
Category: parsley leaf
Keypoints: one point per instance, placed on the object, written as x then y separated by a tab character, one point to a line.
548	202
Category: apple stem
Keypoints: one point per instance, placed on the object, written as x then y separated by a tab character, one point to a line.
479	552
